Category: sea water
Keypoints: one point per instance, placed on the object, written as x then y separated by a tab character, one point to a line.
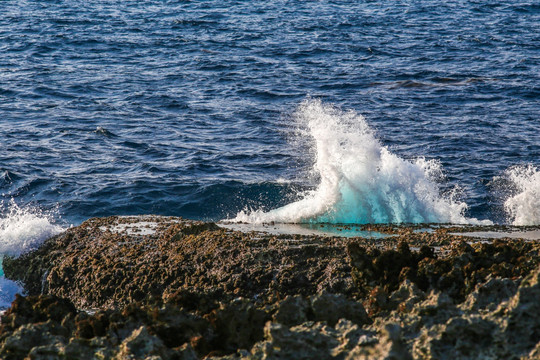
292	111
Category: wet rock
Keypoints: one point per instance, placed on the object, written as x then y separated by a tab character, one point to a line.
195	229
159	287
32	268
100	264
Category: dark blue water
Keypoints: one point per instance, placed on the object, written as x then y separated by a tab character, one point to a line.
185	108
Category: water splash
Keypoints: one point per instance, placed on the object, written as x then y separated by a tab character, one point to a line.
523	206
361	181
8	289
21	230
24	229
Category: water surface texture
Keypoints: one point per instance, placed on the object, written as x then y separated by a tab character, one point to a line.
191	108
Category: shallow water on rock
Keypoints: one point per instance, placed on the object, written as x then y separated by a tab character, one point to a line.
306	229
523	234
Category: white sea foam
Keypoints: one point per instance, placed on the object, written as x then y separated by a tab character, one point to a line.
21	230
523	206
24	229
361	181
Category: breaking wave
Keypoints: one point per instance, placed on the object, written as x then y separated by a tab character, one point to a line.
361	181
523	206
21	230
24	229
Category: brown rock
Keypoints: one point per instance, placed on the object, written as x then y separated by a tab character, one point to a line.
522	330
390	347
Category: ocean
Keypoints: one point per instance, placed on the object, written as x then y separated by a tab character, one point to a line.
284	111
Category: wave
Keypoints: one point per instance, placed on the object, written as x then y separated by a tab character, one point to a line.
21	230
523	206
24	229
361	181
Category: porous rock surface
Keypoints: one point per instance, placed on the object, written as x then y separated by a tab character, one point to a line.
169	288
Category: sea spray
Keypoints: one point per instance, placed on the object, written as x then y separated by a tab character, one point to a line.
523	205
21	229
24	228
361	181
8	289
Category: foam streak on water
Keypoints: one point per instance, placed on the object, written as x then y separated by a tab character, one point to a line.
523	207
361	181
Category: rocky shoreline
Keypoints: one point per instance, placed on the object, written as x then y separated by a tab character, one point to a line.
168	288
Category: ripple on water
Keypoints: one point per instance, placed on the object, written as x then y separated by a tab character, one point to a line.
109	106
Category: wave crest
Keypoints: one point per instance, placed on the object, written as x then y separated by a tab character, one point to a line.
523	207
361	181
24	229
